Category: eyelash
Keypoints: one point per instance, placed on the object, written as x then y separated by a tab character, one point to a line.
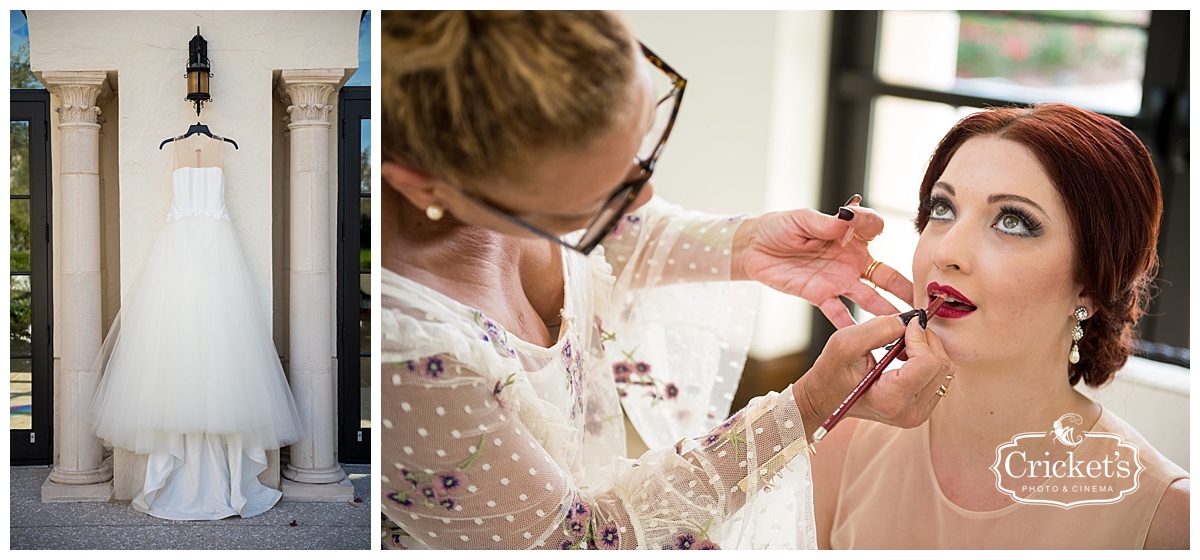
1032	225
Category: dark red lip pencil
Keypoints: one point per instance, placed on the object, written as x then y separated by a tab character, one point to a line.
871	376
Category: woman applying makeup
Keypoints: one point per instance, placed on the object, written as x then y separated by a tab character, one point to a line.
535	293
1040	224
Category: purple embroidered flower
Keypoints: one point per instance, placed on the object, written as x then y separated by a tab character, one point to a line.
707	545
579	510
409	365
432	367
621	372
729	422
610	538
672	391
494	333
642	368
401	498
430	493
712	438
566	545
685	541
451	482
576	527
566	351
447	503
492	329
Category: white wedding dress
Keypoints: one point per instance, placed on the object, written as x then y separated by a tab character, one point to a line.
191	377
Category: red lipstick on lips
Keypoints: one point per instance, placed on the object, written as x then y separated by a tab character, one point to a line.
957	305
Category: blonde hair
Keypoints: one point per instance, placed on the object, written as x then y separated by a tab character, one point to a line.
473	95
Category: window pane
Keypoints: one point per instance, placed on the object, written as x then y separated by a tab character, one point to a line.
364	391
364	313
20	75
20	392
364	325
18	231
18	157
904	133
364	160
362	76
1131	17
364	234
20	316
1037	56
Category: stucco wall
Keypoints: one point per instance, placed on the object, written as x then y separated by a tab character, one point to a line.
145	54
749	132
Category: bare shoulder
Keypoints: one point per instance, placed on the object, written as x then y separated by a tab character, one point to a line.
1171	525
827	466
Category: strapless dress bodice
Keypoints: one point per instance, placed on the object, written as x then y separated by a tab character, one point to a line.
198	191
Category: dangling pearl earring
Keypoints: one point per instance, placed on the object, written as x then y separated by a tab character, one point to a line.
434	212
1081	313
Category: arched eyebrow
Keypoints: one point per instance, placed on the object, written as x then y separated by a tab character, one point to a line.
995	198
1014	198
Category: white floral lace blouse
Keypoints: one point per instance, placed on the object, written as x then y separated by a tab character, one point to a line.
490	442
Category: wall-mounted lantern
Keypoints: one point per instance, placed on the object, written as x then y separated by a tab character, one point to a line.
198	71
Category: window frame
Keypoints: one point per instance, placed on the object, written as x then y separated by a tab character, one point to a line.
35	446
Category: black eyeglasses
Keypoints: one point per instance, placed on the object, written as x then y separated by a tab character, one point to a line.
618	204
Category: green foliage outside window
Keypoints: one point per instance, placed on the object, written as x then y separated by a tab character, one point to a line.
1043	53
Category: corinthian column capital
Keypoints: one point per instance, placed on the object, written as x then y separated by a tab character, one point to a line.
77	91
310	94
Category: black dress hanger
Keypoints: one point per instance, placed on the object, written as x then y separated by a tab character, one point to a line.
197	129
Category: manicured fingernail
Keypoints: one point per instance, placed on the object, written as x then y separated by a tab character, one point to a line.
853	200
849	234
922	318
845	214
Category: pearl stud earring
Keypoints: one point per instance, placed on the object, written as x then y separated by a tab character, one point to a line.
434	212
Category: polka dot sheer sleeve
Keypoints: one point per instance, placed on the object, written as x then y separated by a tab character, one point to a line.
491	442
466	472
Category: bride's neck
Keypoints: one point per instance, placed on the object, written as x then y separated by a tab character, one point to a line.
990	403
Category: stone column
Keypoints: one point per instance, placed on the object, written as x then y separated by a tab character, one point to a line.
313	460
79	473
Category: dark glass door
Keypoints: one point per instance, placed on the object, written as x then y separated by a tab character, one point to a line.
30	347
354	275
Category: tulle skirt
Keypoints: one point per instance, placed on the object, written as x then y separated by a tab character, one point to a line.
190	353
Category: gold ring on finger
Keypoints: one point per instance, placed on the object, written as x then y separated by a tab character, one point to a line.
859	237
870	270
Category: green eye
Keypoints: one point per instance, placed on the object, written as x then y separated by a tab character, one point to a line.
940	209
1015	224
